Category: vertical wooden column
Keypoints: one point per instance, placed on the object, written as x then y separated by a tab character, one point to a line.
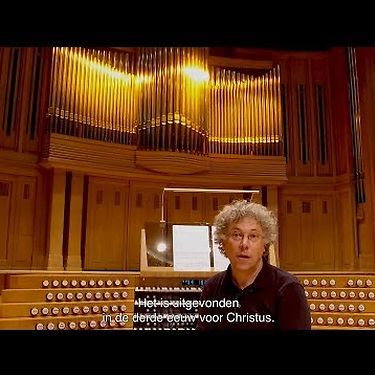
74	262
272	204
56	228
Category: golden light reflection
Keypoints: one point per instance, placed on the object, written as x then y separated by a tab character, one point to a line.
164	99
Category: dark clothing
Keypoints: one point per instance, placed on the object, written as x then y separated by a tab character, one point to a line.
275	300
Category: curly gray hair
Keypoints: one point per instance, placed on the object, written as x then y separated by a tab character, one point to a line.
235	211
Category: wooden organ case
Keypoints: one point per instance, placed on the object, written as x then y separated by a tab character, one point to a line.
123	125
90	137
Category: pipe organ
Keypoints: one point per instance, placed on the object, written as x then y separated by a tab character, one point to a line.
165	99
101	131
90	137
92	95
356	127
244	113
172	99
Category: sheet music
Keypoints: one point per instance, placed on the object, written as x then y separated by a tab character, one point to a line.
191	248
220	261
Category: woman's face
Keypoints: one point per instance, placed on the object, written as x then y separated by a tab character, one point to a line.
244	244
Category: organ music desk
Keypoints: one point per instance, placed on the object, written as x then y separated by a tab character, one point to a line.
168	287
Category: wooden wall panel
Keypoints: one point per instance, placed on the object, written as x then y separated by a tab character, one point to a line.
307	232
345	225
6	188
57	220
106	225
197	207
42	206
290	235
214	203
144	206
17	221
180	208
306	209
25	223
186	208
324	232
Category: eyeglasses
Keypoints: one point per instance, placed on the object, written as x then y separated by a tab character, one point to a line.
239	236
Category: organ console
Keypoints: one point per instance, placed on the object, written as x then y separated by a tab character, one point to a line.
165	301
